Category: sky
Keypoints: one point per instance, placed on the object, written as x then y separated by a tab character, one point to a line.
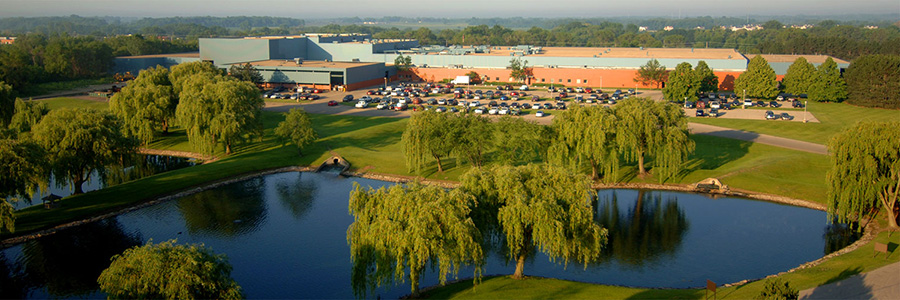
305	9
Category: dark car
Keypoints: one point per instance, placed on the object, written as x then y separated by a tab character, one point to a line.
774	104
313	97
797	104
770	115
701	113
563	94
348	98
761	103
714	112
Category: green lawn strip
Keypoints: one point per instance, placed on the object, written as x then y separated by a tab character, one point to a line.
65	102
833	118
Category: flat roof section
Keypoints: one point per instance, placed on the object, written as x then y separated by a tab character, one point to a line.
186	54
601	52
789	58
310	64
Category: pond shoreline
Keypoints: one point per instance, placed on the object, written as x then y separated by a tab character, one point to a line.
868	234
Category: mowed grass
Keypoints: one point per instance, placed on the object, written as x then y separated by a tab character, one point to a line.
833	118
66	102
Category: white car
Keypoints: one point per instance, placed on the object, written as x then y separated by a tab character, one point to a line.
462	103
474	104
748	102
779	98
539	113
535	106
493	111
366	98
503	111
362	104
383	105
274	96
442	101
715	104
479	110
524	87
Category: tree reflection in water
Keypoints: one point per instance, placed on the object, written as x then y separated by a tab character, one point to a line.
12	279
840	235
650	229
229	210
297	196
69	262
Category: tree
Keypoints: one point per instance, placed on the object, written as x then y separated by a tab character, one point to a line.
651	73
828	84
403	63
426	135
759	79
7	104
169	271
873	81
866	171
181	72
28	113
539	207
709	82
147	105
468	133
683	84
519	69
516	140
219	109
656	129
426	224
298	128
474	78
800	76
245	72
586	135
23	166
79	141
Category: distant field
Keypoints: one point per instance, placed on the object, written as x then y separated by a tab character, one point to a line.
57	103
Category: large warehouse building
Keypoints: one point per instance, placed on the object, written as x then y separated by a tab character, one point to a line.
354	61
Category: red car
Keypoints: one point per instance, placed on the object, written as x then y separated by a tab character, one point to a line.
332	103
316	91
588	90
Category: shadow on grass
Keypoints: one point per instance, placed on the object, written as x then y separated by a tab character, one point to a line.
712	152
843	286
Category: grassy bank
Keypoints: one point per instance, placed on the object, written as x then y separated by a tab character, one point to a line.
833	118
57	86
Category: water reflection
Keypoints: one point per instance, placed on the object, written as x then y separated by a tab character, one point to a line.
838	235
232	210
68	263
143	166
650	229
297	195
12	279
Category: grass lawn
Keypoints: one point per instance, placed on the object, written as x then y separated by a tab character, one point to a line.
834	117
50	87
57	103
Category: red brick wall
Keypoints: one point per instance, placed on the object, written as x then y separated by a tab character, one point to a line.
560	76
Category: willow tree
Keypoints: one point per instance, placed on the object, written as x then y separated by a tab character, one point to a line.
472	138
541	208
147	105
407	228
516	140
586	135
169	271
219	109
427	133
683	84
23	166
866	171
7	104
181	72
654	129
79	141
297	127
28	113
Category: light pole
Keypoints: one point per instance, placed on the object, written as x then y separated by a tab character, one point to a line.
601	84
744	100
805	103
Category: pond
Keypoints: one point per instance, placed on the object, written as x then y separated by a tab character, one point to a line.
147	165
285	236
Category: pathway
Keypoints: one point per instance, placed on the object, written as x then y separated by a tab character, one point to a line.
878	284
757	138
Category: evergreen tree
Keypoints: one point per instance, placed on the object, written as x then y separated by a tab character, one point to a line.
683	84
873	80
709	82
759	80
828	84
800	77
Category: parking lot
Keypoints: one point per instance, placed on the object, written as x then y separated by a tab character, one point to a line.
320	106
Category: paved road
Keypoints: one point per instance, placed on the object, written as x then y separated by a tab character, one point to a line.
881	283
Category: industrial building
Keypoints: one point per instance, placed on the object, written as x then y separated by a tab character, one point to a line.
354	61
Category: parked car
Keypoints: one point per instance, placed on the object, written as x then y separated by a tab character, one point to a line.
701	113
332	103
748	102
362	104
770	115
774	104
715	104
797	104
688	104
539	113
524	87
761	103
714	112
536	105
383	105
786	117
348	98
479	110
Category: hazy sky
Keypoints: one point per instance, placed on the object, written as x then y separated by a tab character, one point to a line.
305	9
